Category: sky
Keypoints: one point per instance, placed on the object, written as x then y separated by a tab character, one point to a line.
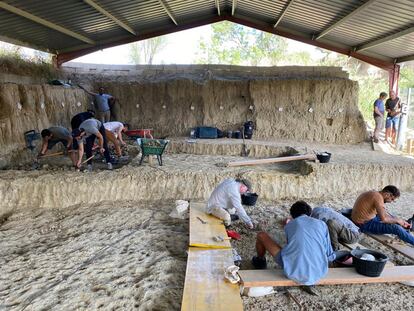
181	49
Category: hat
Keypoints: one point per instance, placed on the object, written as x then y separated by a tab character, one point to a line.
245	182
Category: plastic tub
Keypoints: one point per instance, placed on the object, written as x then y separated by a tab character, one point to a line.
366	267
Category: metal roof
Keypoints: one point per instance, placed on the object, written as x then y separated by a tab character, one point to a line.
380	32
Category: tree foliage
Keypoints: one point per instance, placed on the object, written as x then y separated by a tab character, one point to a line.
238	45
144	52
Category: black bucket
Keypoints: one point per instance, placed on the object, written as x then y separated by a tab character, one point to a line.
249	198
237	134
366	267
324	157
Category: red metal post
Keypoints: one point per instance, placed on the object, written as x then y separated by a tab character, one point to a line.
393	78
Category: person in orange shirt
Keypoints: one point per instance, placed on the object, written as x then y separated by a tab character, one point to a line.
370	216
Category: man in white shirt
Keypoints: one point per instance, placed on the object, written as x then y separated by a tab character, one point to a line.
225	200
113	132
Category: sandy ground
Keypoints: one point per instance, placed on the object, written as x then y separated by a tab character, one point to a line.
109	256
131	255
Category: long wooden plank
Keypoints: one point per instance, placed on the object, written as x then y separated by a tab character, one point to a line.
395	244
201	235
272	160
205	288
253	278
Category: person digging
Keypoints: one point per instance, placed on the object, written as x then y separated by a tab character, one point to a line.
225	201
308	252
86	134
54	135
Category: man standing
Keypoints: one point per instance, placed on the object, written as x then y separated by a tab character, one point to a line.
101	104
370	216
305	257
379	115
225	201
114	132
57	134
393	107
85	135
340	228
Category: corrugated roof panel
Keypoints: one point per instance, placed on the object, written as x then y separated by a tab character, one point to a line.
375	22
396	48
309	17
318	15
25	30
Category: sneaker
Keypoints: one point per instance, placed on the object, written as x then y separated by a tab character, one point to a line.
110	166
259	262
234	217
89	167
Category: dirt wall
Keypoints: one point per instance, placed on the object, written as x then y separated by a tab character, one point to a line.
304	109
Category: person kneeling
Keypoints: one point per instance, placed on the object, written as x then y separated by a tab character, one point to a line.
305	257
225	201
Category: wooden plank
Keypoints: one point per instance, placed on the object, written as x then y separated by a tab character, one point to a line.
395	244
201	235
335	276
205	288
272	160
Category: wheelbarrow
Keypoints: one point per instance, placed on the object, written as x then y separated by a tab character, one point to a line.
141	133
152	147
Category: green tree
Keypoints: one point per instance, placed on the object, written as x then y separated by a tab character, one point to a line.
239	45
143	52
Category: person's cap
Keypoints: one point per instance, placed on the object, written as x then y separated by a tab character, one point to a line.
245	182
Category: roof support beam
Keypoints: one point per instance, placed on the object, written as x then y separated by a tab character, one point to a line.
283	13
233	7
109	15
167	11
384	40
405	58
218	7
44	22
345	18
380	63
65	56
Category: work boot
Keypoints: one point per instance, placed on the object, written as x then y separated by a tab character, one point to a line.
110	166
259	262
89	167
234	217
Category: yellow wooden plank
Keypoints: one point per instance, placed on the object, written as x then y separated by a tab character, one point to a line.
201	235
399	246
253	278
205	288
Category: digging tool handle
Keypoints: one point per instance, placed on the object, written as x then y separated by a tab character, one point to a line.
90	158
51	155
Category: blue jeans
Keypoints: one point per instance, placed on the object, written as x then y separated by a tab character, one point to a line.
375	226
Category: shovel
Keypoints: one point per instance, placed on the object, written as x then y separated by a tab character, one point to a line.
245	152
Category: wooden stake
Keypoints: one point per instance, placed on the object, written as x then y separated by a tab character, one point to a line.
51	155
87	159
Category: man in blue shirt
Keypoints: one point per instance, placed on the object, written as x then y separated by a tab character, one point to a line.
101	102
379	115
305	257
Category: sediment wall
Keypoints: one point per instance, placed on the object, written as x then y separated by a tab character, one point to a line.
63	189
300	103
